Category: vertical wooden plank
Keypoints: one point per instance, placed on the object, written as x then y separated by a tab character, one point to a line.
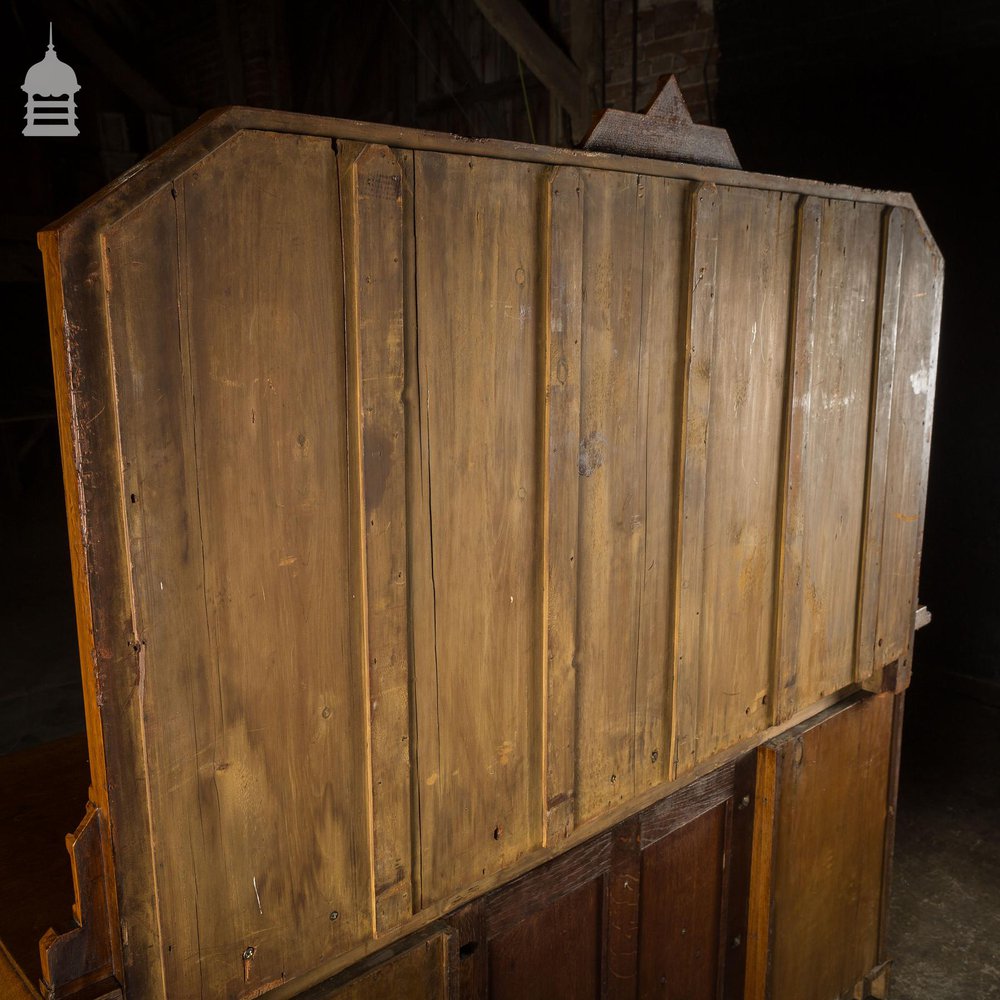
159	478
373	221
477	681
623	894
235	459
683	887
736	381
471	934
740	861
561	493
699	345
423	685
407	971
878	442
907	452
664	281
758	941
826	456
792	499
612	490
75	292
892	795
829	836
554	953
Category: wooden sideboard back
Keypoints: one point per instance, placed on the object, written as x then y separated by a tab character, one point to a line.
437	502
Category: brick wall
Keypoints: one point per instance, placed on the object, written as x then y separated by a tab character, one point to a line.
670	36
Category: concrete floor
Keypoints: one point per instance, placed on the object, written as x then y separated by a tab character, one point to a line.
944	932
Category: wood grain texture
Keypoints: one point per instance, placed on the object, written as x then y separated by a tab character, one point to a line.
628	427
828	420
81	956
684	881
624	896
889	840
760	891
237	514
372	198
218	125
419	970
878	441
553	954
91	480
908	443
830	825
742	253
478	682
612	490
561	493
663	306
569	550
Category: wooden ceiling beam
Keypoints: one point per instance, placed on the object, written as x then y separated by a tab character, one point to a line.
459	61
541	55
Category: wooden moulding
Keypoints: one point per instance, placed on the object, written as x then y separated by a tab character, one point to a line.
664	132
373	219
79	964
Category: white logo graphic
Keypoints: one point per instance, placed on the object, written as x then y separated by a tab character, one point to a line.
51	88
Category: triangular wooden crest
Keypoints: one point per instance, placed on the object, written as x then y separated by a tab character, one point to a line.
664	132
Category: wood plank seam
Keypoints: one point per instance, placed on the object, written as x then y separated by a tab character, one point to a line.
883	365
641	465
703	213
789	568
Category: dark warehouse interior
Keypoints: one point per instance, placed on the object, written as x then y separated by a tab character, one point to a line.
900	95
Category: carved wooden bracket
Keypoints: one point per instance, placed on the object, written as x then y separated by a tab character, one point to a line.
79	963
664	132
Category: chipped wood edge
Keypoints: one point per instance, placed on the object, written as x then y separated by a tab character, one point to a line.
110	664
66	957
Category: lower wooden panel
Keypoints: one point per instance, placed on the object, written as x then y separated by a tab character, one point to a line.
553	954
832	784
410	971
682	919
640	911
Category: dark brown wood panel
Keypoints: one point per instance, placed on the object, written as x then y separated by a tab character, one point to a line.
682	919
554	954
408	971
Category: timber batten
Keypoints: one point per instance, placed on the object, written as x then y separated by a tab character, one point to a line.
439	504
